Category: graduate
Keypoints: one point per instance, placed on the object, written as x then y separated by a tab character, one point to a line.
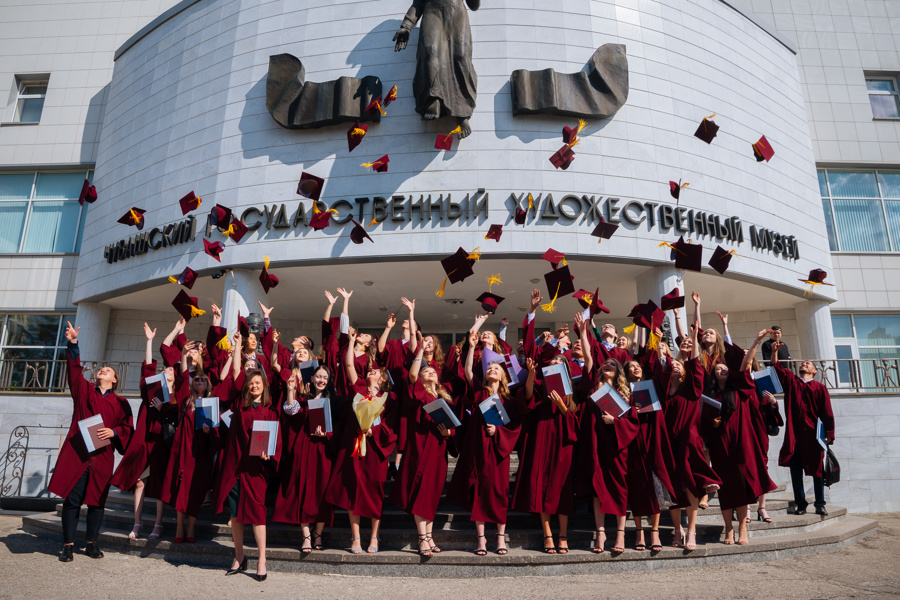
423	471
806	401
360	464
143	466
80	476
243	477
480	481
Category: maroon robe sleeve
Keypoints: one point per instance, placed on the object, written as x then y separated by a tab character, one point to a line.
822	407
504	440
695	377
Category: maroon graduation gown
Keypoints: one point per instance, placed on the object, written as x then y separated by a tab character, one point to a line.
357	482
423	470
734	448
548	436
603	450
804	403
189	475
73	458
480	480
146	447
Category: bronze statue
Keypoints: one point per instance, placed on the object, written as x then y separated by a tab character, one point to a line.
445	79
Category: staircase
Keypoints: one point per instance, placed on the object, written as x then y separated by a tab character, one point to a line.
787	535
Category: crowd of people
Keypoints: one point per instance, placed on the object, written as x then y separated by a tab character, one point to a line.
671	455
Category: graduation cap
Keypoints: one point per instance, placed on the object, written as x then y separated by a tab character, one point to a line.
88	193
220	216
522	213
375	106
494	233
597	304
559	283
380	165
562	158
359	234
267	280
243	326
187	278
489	301
816	277
391	96
648	315
355	135
604	230
214	249
720	259
675	188
189	202
672	300
457	267
445	142
707	129
555	258
686	255
135	217
763	150
187	306
584	298
570	134
236	230
310	186
321	218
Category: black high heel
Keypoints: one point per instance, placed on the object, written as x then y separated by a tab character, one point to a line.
655	547
560	549
596	549
306	551
481	551
427	552
618	549
241	567
759	517
551	549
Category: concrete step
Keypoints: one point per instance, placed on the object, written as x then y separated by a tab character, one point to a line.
834	533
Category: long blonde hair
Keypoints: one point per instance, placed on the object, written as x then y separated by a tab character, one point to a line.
619	380
502	387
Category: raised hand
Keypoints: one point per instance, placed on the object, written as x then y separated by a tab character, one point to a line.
473	338
72	333
292	385
275	336
695	296
345	293
562	332
303	389
579	320
238	339
410	304
658	333
535	300
391	321
761	334
504	322
401	38
265	311
331	299
530	366
724	319
216	311
150	333
180	325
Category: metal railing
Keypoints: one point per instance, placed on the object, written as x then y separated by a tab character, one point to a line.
855	375
49	376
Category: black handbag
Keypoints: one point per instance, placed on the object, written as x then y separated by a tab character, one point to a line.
772	427
169	429
831	474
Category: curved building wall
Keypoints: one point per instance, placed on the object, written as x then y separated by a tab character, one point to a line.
186	111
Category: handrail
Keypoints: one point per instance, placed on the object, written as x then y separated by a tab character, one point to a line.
854	375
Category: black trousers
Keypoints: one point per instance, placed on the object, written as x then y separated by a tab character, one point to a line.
800	490
72	508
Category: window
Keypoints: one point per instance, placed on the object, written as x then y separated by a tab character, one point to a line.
862	209
883	97
30	345
30	101
39	212
866	337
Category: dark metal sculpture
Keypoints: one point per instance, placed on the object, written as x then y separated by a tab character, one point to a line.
596	94
445	79
299	104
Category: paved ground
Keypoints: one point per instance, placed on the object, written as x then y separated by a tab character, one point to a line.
868	569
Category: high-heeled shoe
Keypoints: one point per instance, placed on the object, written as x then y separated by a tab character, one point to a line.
135	531
305	551
157	531
240	568
373	549
598	545
760	517
618	549
352	549
549	549
655	547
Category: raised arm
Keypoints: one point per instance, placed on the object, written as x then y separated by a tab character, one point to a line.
382	341
470	358
273	359
78	385
695	296
679	326
226	368
695	332
585	343
417	362
349	366
217	316
346	309
751	352
179	328
184	352
331	300
724	319
529	382
236	356
148	354
411	305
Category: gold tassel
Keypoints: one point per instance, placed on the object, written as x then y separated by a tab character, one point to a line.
374	221
316	208
381	110
440	293
812	287
230	231
629	329
367	165
672	247
474	254
530	201
392	95
709	117
454	132
492	280
197	312
134	216
266	263
199	201
581	125
551	306
653	342
224	344
357	132
173	279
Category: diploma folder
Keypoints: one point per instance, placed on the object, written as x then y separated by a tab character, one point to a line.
320	414
493	411
206	411
225	418
307	369
610	401
263	438
160	378
820	434
440	413
643	396
89	428
556	379
712	403
767	381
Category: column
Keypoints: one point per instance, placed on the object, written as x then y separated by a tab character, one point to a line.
242	294
656	283
814	328
93	319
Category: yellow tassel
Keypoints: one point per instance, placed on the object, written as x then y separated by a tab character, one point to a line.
575	142
492	280
224	344
454	132
197	312
173	279
367	165
563	262
199	201
381	110
812	287
672	247
440	293
230	231
530	201
134	216
653	342
581	125
630	328
474	255
551	306
709	117
374	221
357	132
316	208
266	262
684	185
392	95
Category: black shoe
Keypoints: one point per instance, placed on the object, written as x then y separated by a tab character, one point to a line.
241	567
261	577
800	511
820	510
66	554
92	550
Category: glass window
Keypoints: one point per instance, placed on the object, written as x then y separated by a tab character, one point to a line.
877	330
883	97
30	103
31	330
39	212
823	183
829	224
30	345
890	184
853	184
841	326
860	225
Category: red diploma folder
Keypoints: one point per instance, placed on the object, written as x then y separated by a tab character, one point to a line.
259	442
98	443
